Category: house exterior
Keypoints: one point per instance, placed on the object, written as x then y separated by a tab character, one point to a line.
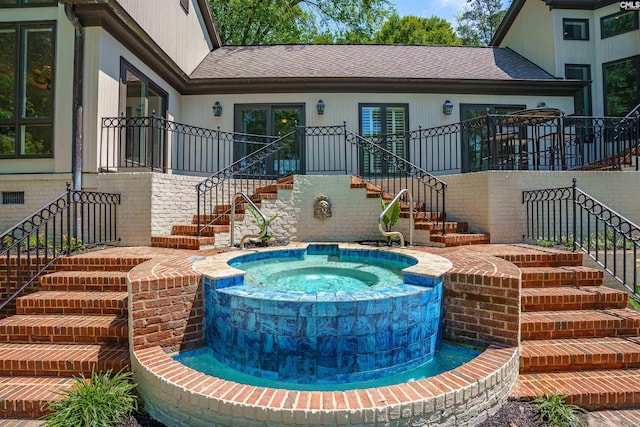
590	40
80	62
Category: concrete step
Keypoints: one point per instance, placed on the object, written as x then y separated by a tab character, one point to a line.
73	302
461	239
63	360
27	397
183	242
538	277
192	230
591	390
572	298
64	329
574	354
579	323
99	281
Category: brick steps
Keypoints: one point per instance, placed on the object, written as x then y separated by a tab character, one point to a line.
64	329
27	397
571	298
580	354
182	242
192	230
73	302
592	390
460	239
62	360
551	258
449	227
99	281
579	323
534	277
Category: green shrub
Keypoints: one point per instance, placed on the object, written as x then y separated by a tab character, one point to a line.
102	401
634	302
555	412
267	237
391	217
546	243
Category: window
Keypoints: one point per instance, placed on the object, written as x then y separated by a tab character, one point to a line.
26	90
386	125
13	197
575	29
618	23
621	86
184	4
27	3
582	98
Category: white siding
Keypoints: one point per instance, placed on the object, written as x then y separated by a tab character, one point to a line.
181	35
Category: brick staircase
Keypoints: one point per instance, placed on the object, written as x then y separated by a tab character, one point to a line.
76	322
184	236
577	338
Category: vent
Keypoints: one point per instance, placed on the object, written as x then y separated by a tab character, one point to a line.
13	197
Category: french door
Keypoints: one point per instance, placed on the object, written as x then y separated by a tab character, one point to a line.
385	125
261	124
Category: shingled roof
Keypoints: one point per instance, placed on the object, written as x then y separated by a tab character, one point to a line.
367	61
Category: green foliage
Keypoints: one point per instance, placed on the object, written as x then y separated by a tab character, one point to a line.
101	401
634	302
555	412
391	217
40	241
604	241
412	30
546	243
267	237
478	21
259	22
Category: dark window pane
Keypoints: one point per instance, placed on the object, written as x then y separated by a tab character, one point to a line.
7	141
575	29
38	71
39	2
618	23
7	72
8	2
37	140
582	100
622	83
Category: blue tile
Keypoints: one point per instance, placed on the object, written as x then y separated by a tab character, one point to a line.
400	319
287	308
366	307
366	343
383	359
384	305
399	338
365	325
326	308
237	318
307	326
250	322
307	368
307	309
327	326
347	325
268	362
251	305
287	367
366	362
347	308
268	324
322	250
287	345
267	343
346	364
328	363
327	346
307	346
397	356
413	279
347	345
287	325
383	322
384	341
269	306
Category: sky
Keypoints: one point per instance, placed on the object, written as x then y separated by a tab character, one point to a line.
427	8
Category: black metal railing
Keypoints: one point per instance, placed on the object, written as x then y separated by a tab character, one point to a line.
571	217
74	221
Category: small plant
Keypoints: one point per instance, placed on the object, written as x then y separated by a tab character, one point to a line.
267	237
36	241
555	412
547	243
102	401
390	218
75	245
634	302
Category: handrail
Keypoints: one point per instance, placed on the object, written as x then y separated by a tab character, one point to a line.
397	233
265	221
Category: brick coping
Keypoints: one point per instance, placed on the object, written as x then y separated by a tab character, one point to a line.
179	395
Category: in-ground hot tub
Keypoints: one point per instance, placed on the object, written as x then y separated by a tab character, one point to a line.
324	313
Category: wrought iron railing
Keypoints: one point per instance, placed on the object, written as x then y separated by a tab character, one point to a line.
74	221
571	217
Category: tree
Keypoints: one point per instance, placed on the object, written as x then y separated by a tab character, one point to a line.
478	21
412	30
260	22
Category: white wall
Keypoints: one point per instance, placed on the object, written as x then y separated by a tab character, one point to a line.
182	35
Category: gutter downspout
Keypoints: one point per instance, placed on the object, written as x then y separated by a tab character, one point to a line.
78	77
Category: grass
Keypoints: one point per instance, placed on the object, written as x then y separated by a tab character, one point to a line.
101	401
555	412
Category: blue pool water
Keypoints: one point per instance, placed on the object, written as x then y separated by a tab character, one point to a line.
447	358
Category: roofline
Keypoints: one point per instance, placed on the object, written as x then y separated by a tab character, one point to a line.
210	24
516	6
382	85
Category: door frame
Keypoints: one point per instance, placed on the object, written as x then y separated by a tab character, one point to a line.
383	106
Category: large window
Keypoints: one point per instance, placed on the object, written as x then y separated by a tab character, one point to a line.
575	29
618	23
582	98
621	86
26	90
386	125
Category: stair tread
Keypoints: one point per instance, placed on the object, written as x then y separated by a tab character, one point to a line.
75	295
26	397
579	323
579	353
73	302
182	242
64	321
581	315
590	389
571	298
85	276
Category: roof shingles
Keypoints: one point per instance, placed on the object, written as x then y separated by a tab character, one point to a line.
367	61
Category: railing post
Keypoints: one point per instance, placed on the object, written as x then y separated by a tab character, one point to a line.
69	210
637	137
575	229
153	139
344	132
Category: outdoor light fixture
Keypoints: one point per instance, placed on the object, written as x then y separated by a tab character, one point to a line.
320	107
447	107
217	109
542	104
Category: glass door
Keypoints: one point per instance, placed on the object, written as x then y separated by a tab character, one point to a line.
385	125
259	125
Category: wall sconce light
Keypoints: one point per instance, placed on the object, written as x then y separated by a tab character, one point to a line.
320	107
447	107
217	109
542	104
